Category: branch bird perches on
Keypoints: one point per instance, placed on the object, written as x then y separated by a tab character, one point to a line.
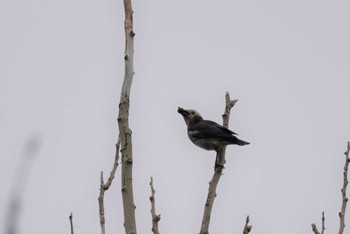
218	170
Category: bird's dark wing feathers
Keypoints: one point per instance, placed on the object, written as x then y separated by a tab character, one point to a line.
210	130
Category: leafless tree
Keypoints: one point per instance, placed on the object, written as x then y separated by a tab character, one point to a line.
125	139
124	145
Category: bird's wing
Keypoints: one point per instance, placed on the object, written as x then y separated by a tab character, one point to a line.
225	129
216	125
209	130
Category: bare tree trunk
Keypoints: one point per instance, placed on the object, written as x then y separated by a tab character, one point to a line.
218	171
123	122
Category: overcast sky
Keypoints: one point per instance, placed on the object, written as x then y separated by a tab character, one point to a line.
60	79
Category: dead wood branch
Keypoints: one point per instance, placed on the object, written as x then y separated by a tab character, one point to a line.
71	223
218	171
343	191
247	227
105	186
155	217
314	227
123	124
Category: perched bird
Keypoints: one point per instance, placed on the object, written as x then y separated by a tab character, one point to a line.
207	134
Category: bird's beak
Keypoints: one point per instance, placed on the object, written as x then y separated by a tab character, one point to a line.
183	111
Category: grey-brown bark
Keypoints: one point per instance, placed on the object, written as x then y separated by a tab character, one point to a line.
218	171
314	227
155	217
105	186
343	191
123	123
247	228
344	198
71	223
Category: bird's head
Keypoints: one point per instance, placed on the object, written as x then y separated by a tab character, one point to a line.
190	116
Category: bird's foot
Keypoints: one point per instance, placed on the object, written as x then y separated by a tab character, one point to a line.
219	167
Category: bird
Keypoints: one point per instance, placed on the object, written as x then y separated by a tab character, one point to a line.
207	134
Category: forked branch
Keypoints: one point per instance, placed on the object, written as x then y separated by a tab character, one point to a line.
105	186
314	227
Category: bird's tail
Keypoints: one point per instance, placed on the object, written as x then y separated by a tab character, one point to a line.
241	142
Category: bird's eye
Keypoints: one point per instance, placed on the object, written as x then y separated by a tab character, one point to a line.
192	113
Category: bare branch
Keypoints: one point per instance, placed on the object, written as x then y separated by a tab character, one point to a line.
229	104
19	183
155	217
247	227
343	192
225	118
314	227
323	219
105	186
101	204
218	171
71	223
123	124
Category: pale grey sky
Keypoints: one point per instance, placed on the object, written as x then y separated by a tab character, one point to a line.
286	61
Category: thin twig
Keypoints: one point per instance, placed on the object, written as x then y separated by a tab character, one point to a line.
218	171
343	192
247	227
155	217
323	220
314	227
71	223
105	186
